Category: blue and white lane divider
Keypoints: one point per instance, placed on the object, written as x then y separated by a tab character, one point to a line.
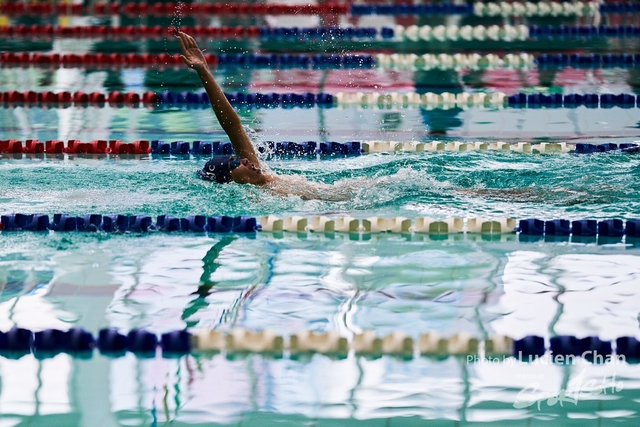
324	149
355	148
369	100
405	100
490	61
503	9
394	61
319	224
110	342
399	33
429	61
444	33
408	100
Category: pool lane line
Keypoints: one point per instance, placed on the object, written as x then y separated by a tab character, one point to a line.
487	9
355	61
494	349
384	100
364	35
132	9
277	61
101	149
532	229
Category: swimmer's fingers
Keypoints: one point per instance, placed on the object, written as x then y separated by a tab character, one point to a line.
185	43
181	41
190	41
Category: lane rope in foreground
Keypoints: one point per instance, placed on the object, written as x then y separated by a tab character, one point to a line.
614	228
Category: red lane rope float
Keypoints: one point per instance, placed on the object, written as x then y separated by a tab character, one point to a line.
115	98
138	31
74	146
133	60
170	8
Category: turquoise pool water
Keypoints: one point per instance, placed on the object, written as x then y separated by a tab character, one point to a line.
287	283
437	185
478	284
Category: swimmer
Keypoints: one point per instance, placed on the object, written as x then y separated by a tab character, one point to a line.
245	167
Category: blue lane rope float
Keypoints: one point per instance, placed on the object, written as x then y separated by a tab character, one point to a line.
80	343
608	228
583	31
589	100
579	228
412	9
588	60
128	223
620	7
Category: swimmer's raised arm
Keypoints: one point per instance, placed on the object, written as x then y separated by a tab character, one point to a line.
245	167
227	116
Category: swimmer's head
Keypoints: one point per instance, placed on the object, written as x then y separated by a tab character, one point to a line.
219	169
223	169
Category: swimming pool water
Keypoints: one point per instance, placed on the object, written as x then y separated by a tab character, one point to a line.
478	284
437	185
286	283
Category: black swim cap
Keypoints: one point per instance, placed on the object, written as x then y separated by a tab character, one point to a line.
219	169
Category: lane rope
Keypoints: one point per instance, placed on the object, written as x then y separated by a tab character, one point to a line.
78	342
399	33
299	149
374	100
609	228
169	9
489	9
395	61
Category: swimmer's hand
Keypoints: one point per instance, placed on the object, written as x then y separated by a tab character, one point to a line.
191	53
